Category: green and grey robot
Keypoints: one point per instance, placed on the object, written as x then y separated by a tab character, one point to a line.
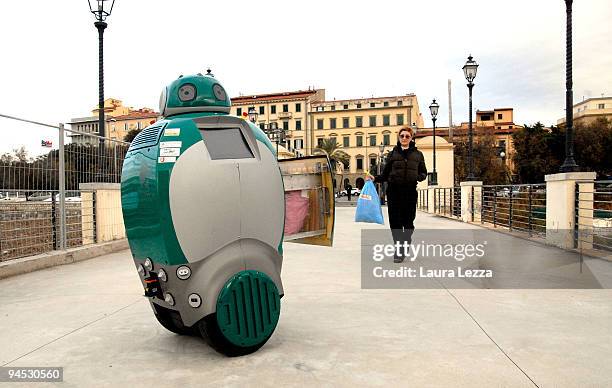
204	210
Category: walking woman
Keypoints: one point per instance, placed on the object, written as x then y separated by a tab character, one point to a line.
404	168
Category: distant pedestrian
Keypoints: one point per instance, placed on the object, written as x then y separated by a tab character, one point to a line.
405	167
349	188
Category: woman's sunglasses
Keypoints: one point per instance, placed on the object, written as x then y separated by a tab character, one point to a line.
405	136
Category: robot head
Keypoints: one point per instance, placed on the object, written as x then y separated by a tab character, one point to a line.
194	93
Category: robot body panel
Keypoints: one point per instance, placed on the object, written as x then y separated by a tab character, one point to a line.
203	202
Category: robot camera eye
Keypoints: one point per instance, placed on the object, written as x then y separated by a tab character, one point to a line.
187	92
219	92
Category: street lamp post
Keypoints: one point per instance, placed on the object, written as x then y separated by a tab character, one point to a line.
101	10
502	155
469	70
271	129
433	108
252	115
569	164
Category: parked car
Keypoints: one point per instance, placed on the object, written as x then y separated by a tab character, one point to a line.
69	198
343	193
39	196
505	191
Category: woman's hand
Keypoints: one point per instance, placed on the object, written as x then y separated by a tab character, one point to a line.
369	177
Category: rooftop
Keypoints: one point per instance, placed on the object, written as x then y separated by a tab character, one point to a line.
274	96
365	99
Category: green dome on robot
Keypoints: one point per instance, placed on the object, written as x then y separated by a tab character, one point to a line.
194	93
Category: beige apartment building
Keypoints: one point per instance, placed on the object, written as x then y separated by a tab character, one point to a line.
590	110
288	111
361	126
119	120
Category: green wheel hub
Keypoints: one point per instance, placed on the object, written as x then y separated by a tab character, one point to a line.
248	308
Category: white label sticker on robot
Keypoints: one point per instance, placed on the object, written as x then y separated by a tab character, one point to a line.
169	151
166	159
170	144
172	132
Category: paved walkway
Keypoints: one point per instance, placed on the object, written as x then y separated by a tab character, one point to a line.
89	318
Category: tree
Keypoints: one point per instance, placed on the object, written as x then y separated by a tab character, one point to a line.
488	165
336	155
593	147
540	151
535	149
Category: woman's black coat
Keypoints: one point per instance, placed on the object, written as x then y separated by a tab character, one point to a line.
404	168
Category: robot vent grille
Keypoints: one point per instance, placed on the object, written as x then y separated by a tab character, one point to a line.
147	138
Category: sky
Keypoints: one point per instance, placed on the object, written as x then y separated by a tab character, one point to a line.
352	49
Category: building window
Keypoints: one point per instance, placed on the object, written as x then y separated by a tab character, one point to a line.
345	122
238	111
386	120
359	141
332	123
359	121
319	142
372	121
399	119
400	103
262	126
298	107
333	107
386	139
346	141
285	125
372	105
359	164
485	117
299	144
285	107
502	144
298	125
345	106
601	106
137	126
510	126
386	103
261	110
320	108
372	140
273	109
499	116
333	139
498	127
319	123
372	163
358	105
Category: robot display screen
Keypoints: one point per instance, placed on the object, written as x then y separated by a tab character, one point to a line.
226	143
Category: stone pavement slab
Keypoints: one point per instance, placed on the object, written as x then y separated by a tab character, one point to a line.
90	318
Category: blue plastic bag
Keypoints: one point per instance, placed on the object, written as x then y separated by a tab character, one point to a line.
368	205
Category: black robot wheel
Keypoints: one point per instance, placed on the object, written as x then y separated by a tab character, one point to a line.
172	321
210	331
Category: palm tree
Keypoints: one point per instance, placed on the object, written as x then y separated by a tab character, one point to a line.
332	149
337	157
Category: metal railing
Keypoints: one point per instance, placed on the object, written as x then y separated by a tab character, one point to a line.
516	207
422	202
447	201
42	207
593	212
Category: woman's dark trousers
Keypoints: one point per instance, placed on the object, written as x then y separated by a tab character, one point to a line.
401	205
